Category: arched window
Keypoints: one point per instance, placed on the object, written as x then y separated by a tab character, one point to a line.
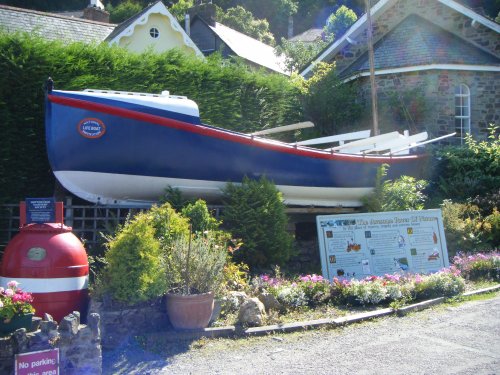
462	111
154	32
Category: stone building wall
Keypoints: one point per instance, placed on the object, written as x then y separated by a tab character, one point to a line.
79	345
435	12
439	90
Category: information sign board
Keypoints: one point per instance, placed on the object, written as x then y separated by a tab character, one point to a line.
40	210
43	362
360	245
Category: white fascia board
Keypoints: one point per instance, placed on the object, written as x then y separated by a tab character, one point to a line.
161	9
357	28
419	68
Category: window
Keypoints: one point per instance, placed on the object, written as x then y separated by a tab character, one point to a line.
154	32
462	111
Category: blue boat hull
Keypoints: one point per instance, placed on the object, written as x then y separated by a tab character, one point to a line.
95	144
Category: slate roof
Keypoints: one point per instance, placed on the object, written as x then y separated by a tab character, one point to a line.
249	48
416	41
308	36
53	26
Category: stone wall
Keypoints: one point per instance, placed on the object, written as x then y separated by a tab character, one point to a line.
79	345
119	322
439	90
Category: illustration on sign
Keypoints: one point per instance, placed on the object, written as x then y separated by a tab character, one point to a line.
360	245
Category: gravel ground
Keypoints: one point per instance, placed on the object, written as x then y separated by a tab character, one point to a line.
462	339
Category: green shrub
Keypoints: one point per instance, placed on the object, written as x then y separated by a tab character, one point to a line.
329	103
168	224
404	193
134	272
465	172
465	228
254	212
199	216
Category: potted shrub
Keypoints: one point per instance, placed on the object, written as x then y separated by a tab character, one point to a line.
16	310
194	267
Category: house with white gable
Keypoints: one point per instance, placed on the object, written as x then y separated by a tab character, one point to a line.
154	27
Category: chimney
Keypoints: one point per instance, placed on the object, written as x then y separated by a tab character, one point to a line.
95	14
187	24
204	11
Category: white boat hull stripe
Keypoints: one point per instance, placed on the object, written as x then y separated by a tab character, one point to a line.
60	284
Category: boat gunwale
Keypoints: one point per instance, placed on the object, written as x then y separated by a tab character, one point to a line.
220	133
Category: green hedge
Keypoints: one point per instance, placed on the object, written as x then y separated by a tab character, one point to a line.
228	95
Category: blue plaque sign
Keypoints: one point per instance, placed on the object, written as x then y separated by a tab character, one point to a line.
40	210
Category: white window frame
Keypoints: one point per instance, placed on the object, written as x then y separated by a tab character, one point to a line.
462	111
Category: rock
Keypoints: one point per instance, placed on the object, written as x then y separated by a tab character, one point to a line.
252	312
241	297
216	312
270	302
69	325
93	321
47	317
48	325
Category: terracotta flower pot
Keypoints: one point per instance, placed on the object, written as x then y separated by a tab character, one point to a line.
190	312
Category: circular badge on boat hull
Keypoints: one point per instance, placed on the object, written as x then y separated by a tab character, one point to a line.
91	128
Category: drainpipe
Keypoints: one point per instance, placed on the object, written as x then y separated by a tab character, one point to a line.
187	25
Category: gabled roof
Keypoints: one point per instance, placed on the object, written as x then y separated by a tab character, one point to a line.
360	26
424	44
127	27
249	48
53	26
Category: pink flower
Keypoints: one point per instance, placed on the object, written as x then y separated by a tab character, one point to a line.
13	284
9	292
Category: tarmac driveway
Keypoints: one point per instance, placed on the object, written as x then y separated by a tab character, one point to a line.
462	339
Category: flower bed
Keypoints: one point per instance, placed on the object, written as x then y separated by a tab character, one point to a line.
313	297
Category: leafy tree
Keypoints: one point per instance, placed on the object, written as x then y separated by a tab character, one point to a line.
298	54
242	20
338	22
328	102
123	11
180	8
